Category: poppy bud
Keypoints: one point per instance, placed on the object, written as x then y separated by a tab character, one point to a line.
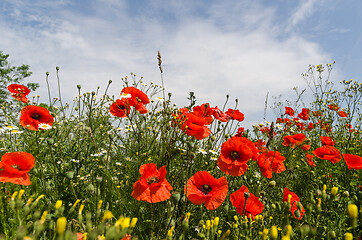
305	230
297	213
90	188
57	68
110	81
332	234
79	86
47	73
345	194
175	197
299	206
272	183
226	207
246	195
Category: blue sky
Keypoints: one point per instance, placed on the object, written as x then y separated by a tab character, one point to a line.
213	48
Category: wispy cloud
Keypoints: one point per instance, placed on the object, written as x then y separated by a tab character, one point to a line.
210	48
303	11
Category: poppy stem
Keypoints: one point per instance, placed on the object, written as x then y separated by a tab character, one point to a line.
246	195
60	97
46	79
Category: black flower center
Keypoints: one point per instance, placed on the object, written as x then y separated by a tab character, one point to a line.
205	189
234	155
122	107
35	116
153	179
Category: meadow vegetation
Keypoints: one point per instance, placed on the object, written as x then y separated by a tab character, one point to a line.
135	166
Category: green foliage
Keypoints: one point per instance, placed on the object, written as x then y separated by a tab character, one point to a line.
12	74
90	160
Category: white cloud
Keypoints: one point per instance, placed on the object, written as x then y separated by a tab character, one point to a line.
230	49
304	10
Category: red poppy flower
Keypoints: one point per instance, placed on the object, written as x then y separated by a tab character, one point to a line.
329	153
289	111
292	140
304	114
235	153
204	111
270	162
342	114
16	166
152	186
260	145
127	237
192	123
353	161
79	236
32	116
204	188
120	108
240	132
19	92
235	114
293	199
220	115
305	147
194	126
138	99
309	159
333	107
246	203
327	141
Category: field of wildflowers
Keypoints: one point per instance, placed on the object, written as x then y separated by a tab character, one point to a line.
137	167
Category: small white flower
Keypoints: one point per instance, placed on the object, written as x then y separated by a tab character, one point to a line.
159	99
74	160
212	151
125	95
16	131
118	164
44	126
202	151
9	127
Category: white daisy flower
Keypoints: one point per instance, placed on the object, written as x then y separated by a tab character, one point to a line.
15	131
9	127
159	99
202	151
125	95
44	126
212	151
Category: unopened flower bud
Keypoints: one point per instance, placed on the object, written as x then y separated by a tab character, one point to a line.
272	183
